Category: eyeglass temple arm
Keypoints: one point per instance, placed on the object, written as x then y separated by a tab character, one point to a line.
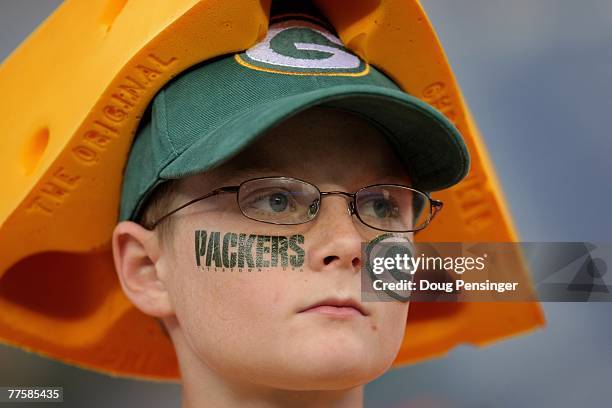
437	207
220	190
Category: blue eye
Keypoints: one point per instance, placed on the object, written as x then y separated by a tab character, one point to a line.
381	208
275	201
278	202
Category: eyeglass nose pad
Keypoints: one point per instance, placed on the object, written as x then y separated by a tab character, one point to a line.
351	208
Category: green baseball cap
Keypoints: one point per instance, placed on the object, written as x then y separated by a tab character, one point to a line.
215	109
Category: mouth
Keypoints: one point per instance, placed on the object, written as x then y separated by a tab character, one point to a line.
336	306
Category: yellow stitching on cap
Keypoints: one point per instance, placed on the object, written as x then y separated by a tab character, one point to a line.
256	68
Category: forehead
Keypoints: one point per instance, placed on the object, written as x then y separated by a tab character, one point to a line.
320	145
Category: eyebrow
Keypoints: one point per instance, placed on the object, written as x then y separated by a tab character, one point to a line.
236	176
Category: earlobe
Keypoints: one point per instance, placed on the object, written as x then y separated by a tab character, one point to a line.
136	255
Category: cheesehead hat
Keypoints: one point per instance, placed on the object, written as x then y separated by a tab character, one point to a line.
59	291
215	109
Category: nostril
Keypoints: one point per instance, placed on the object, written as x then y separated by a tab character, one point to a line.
356	262
328	259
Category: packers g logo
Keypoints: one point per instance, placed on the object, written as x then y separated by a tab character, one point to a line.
299	47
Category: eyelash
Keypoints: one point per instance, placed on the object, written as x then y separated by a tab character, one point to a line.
264	196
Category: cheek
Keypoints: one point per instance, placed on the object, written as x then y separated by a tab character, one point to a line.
391	326
227	316
244	324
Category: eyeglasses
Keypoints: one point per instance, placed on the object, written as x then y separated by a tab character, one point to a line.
290	201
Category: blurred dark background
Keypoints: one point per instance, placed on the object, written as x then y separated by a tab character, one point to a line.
537	76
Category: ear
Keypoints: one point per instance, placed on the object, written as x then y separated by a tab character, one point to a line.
136	253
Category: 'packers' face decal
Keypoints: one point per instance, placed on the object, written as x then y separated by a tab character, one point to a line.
299	47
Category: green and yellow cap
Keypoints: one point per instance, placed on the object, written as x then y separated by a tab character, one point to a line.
215	109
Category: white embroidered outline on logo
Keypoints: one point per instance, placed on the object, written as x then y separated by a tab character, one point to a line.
339	60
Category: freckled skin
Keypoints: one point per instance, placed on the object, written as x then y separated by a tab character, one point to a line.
238	335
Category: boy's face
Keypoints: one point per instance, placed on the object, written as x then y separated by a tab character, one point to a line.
248	326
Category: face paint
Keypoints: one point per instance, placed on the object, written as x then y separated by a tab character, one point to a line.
261	250
294	241
244	250
279	248
236	250
200	242
229	241
213	253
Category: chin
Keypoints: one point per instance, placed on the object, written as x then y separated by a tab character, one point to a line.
340	370
339	377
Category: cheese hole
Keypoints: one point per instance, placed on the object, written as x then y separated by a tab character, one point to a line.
34	150
111	11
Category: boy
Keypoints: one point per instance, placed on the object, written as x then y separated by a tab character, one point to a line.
282	161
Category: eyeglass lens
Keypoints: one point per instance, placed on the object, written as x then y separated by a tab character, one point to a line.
291	201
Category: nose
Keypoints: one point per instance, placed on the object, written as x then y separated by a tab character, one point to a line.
335	239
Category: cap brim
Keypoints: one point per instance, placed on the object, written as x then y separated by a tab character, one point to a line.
428	144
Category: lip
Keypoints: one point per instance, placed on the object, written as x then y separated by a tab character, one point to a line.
337	306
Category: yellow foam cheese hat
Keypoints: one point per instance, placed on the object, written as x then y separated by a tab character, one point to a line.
73	94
